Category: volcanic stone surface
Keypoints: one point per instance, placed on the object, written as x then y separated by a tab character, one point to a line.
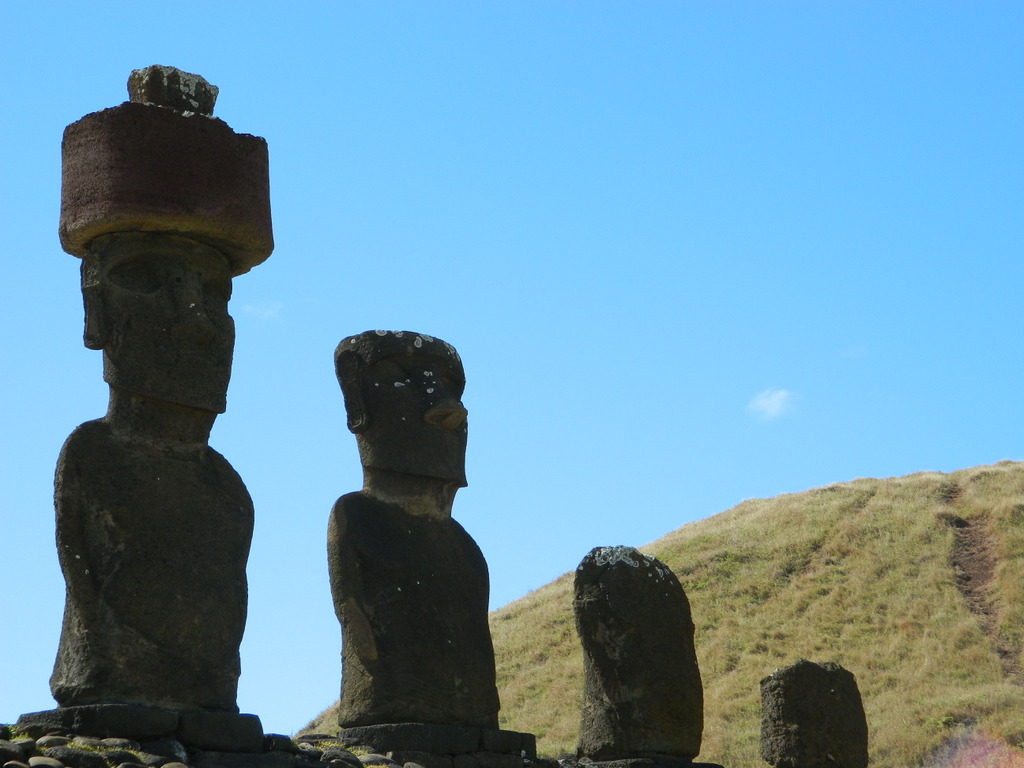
444	746
642	692
146	168
410	586
170	87
812	717
153	526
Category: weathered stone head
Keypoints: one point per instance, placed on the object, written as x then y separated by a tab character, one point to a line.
164	204
157	305
403	395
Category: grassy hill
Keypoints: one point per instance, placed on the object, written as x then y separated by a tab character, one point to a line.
914	584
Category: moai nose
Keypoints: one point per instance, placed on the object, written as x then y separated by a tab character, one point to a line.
448	414
194	324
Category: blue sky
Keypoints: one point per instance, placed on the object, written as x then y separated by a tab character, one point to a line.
690	253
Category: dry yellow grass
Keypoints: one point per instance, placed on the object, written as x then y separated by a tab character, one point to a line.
859	573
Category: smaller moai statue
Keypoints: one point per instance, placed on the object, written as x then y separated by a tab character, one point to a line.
812	717
642	692
410	586
165	205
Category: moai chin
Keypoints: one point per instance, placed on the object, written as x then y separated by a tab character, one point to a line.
164	204
643	701
410	586
812	717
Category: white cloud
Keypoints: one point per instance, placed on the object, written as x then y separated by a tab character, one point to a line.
268	310
769	404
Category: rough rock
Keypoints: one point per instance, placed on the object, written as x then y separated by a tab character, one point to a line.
123	720
9	751
333	752
73	757
812	717
221	731
160	751
642	692
444	746
170	87
425	656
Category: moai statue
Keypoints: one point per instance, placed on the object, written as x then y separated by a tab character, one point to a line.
164	204
410	586
812	717
642	692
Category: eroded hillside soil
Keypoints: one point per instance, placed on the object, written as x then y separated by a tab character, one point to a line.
974	565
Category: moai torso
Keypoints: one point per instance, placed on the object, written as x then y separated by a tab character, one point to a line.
412	598
153	546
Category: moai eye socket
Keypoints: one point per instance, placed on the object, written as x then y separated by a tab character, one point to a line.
135	275
387	373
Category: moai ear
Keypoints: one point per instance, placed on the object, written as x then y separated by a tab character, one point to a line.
96	325
350	367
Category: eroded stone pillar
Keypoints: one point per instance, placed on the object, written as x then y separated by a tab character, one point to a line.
812	717
642	692
165	205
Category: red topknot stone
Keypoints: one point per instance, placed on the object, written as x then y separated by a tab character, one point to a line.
156	165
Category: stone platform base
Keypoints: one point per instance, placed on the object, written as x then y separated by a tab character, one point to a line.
198	729
644	762
444	746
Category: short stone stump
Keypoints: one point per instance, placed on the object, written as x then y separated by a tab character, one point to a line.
812	715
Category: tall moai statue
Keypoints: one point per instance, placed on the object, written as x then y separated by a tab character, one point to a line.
643	700
164	204
410	586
